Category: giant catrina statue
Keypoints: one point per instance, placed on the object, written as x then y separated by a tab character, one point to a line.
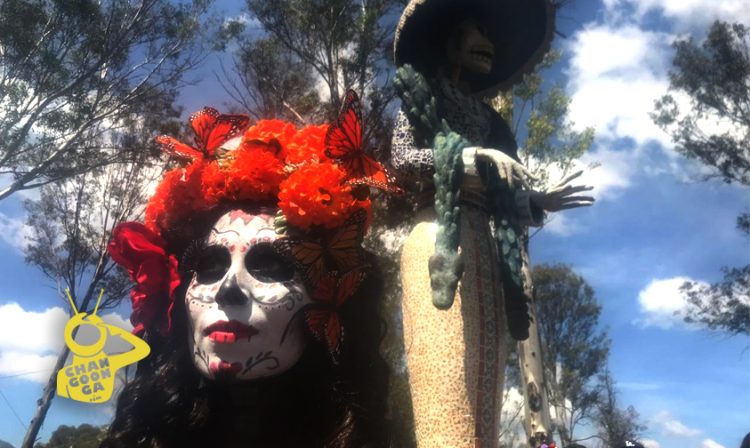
462	265
254	292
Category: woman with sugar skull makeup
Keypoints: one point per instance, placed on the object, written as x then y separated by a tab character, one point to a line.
255	295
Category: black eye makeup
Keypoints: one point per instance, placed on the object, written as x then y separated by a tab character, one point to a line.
212	264
191	256
267	265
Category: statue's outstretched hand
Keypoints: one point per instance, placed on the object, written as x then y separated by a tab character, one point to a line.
562	196
515	175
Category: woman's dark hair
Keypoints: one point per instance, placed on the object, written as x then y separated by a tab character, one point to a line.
316	403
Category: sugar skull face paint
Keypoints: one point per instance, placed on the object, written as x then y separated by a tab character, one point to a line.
242	300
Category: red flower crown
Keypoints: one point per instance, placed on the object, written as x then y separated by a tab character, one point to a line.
273	160
315	174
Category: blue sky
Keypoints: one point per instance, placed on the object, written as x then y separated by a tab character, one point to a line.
652	227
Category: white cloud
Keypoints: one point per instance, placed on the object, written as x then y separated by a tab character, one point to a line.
617	70
662	303
117	320
27	366
30	341
512	400
31	331
560	224
671	426
14	232
615	75
650	443
243	18
511	419
686	13
708	443
612	173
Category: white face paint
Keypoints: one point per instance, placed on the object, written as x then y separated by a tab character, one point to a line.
241	301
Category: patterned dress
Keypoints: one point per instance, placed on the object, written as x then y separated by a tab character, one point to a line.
456	357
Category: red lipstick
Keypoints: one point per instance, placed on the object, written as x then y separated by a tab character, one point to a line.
223	369
223	332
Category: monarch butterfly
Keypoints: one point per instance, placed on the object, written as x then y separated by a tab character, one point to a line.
336	250
211	130
344	143
322	317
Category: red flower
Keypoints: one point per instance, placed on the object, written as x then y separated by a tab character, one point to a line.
309	186
307	145
254	174
141	252
178	195
315	194
265	130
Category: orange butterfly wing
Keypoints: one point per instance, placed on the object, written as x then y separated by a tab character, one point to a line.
344	143
376	176
212	129
332	292
348	284
345	247
176	148
325	326
310	259
343	140
340	251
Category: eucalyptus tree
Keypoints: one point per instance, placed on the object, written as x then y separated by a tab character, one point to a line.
714	77
74	74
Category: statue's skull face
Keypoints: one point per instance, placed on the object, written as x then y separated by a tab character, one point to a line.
242	300
470	49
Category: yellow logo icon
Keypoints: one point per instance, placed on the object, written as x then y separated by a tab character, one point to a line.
90	378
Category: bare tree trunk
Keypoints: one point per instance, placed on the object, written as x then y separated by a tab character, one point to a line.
537	421
45	402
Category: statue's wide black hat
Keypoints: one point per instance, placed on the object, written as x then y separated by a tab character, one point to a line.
521	30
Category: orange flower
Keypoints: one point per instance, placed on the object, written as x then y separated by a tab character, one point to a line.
307	145
178	195
265	130
315	195
254	175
